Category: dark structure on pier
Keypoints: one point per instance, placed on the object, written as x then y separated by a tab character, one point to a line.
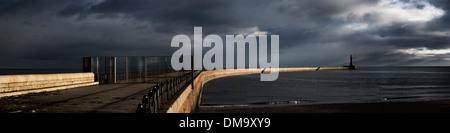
351	66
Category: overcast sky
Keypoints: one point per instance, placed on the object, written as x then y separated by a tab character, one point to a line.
58	33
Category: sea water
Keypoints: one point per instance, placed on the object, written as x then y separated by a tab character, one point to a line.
366	84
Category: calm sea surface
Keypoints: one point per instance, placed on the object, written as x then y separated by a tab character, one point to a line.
367	84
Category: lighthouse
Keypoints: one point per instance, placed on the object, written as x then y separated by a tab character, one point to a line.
351	66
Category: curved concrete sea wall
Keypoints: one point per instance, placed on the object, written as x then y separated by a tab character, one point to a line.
189	100
11	85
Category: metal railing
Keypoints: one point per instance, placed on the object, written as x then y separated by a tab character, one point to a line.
123	69
162	92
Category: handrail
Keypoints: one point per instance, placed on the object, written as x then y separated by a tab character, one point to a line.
162	92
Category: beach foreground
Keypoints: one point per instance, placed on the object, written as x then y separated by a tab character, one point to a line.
436	106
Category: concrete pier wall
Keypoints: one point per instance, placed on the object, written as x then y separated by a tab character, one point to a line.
11	85
189	100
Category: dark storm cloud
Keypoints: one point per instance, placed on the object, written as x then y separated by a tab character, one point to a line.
170	15
22	6
71	10
312	32
442	23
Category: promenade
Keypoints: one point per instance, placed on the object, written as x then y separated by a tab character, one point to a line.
105	98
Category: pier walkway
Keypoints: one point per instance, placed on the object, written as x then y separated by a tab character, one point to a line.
105	98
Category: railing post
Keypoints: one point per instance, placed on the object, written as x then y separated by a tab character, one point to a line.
169	89
172	91
166	90
144	103
157	97
150	100
155	102
139	109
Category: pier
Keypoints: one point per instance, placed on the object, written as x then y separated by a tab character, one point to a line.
144	86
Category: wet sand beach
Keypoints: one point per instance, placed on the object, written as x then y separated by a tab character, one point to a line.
437	106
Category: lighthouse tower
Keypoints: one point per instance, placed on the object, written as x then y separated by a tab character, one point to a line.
351	60
351	66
